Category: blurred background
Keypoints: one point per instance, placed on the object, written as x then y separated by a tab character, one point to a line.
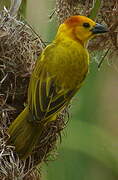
89	148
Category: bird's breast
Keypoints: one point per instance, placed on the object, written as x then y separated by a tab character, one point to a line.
71	69
73	72
69	64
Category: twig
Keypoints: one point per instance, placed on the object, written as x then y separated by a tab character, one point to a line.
52	13
100	63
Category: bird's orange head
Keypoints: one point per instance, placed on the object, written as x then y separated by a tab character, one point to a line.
80	28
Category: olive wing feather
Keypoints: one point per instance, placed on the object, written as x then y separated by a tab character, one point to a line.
45	98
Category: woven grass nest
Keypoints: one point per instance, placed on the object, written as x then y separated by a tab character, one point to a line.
19	48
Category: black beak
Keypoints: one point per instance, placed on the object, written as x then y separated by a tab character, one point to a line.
99	29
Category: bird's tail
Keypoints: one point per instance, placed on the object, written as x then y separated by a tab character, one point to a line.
24	134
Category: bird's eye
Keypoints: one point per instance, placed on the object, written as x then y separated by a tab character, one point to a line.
86	25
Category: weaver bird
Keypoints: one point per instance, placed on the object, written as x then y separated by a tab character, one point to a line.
58	74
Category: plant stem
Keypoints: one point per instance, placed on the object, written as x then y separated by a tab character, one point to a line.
15	4
95	9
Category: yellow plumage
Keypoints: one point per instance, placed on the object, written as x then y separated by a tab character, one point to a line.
58	75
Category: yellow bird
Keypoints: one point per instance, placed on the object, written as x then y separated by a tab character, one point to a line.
57	76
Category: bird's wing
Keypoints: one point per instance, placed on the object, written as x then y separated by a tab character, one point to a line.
45	99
